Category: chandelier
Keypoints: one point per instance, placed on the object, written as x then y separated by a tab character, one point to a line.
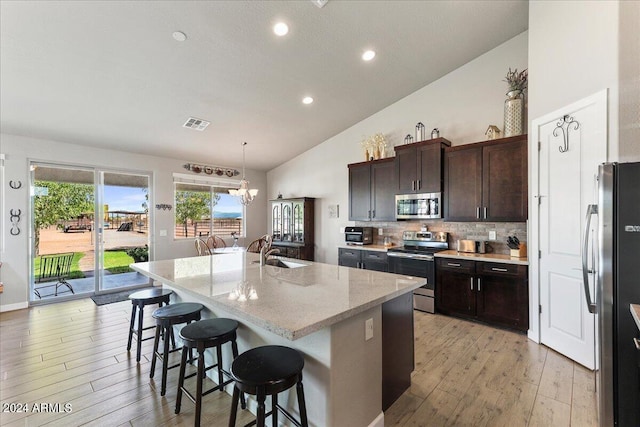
246	195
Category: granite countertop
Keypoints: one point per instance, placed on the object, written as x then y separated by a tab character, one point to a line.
377	248
489	257
635	312
291	302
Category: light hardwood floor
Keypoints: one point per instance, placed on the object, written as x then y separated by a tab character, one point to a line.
466	374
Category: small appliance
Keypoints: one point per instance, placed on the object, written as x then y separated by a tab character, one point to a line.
358	235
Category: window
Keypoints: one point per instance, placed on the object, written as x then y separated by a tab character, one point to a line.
204	209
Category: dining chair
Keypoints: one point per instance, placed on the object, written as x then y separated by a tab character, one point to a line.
201	247
215	242
259	243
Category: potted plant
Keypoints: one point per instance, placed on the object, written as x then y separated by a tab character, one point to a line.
139	254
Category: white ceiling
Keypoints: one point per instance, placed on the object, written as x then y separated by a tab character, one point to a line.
109	74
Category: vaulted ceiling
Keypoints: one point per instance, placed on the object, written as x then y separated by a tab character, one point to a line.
110	74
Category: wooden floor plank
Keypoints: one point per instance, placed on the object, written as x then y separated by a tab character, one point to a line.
467	374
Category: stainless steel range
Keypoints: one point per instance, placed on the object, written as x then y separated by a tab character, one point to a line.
416	258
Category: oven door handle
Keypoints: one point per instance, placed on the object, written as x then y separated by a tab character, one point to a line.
411	256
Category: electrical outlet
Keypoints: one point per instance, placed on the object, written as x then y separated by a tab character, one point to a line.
368	329
163	233
341	230
492	235
380	231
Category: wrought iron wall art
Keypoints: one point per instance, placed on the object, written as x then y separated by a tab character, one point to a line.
15	184
163	206
211	170
15	219
564	124
419	132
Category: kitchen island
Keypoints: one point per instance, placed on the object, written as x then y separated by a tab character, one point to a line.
319	309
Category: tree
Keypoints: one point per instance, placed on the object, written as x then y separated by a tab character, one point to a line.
61	201
193	205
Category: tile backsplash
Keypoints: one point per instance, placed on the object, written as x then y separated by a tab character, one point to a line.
456	230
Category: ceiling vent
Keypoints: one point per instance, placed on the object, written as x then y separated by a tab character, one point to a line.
319	3
196	124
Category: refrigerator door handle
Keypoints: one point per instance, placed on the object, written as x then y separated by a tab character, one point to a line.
591	210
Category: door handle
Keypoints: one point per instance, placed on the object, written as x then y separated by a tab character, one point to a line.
591	210
472	283
478	284
478	212
504	270
453	264
413	185
373	213
419	184
485	212
637	343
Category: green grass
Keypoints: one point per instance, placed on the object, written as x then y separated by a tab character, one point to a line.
75	267
115	262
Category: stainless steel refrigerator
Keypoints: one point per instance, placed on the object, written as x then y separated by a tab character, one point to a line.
611	257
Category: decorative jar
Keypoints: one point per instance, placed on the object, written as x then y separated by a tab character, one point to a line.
514	113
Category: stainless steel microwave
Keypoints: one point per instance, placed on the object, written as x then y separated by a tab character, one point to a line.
419	206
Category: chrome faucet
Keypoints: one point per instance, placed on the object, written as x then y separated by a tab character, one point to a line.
265	252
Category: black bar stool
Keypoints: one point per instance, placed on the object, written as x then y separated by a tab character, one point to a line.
166	317
264	371
202	335
139	300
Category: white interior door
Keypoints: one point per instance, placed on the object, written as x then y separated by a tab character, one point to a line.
568	158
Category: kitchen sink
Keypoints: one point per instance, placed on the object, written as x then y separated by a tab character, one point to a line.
276	262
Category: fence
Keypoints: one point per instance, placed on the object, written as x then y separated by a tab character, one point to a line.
221	227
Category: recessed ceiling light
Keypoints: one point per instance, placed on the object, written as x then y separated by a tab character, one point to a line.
307	100
179	36
281	29
368	55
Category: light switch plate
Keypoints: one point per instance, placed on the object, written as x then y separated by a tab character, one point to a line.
163	233
380	231
492	235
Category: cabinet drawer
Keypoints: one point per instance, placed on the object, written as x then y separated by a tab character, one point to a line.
349	253
501	269
374	256
459	265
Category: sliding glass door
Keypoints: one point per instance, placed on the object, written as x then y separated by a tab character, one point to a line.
88	226
123	228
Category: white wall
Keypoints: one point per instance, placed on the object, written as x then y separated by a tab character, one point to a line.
19	151
461	104
573	53
629	45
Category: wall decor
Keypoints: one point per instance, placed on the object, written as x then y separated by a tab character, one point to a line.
14	217
408	139
366	146
419	132
15	184
435	133
334	211
211	170
163	206
568	121
379	143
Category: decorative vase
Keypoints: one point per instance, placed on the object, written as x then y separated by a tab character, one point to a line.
376	153
366	154
513	113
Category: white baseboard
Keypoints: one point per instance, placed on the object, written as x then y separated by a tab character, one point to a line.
11	307
379	421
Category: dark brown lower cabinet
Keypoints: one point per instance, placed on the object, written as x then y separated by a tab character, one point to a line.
397	348
494	293
292	250
359	258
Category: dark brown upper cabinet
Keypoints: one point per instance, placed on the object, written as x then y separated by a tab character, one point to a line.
486	181
372	191
419	166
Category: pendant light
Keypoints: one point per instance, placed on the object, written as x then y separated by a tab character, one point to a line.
246	195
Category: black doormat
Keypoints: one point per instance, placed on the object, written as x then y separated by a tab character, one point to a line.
114	297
